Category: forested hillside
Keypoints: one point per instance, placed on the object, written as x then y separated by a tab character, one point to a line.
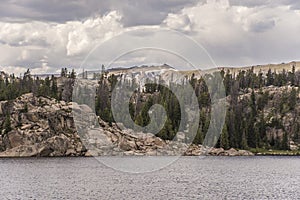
262	108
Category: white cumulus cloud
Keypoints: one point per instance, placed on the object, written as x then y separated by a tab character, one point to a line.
58	44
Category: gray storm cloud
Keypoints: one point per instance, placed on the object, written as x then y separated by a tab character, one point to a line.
46	35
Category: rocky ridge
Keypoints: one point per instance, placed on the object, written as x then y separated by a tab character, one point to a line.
44	127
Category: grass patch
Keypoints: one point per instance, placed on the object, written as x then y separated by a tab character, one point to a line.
271	152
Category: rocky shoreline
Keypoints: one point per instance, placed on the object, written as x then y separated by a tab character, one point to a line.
44	127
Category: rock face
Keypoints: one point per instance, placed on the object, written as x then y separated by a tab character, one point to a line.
40	127
44	127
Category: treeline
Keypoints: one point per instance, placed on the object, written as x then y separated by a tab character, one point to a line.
261	119
12	87
262	109
248	79
255	118
143	99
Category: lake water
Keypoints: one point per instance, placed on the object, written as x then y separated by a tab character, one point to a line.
187	178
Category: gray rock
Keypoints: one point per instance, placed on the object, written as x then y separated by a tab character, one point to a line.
127	145
216	151
21	151
245	153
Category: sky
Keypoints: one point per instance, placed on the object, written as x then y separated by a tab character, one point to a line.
47	35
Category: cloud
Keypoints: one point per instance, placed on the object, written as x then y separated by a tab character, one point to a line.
17	70
45	35
146	12
249	3
82	36
178	22
244	32
135	12
16	34
261	26
51	10
293	4
58	44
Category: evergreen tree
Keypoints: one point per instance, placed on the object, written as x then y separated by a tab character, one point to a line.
224	141
292	76
251	131
284	143
244	142
292	99
199	136
270	78
54	91
7	124
73	74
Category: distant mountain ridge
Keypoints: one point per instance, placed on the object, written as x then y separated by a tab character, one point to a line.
163	69
160	69
264	68
143	67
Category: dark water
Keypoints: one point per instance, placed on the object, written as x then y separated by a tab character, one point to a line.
187	178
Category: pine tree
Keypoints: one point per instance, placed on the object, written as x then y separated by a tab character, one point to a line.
262	128
284	142
63	72
224	140
139	120
54	89
167	132
251	131
199	136
292	76
73	74
292	99
270	78
107	116
7	124
244	142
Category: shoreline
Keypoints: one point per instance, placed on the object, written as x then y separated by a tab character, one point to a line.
130	156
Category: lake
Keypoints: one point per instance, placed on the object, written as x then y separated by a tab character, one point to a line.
186	178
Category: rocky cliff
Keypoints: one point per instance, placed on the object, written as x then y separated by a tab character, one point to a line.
40	126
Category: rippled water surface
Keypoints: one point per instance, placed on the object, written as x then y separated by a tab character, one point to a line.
187	178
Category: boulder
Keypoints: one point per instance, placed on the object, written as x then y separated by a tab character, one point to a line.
71	152
127	145
293	146
231	152
180	136
216	151
45	151
21	151
151	153
85	109
245	153
15	139
2	105
196	152
129	153
148	141
159	143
